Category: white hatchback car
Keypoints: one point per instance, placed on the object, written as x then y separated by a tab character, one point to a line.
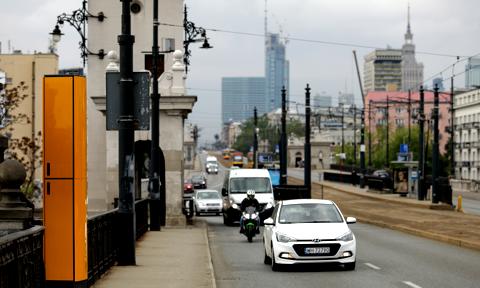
308	231
207	201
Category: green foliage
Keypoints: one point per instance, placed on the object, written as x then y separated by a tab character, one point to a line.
267	131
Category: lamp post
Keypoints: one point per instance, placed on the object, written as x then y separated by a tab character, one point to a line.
283	140
191	36
255	138
78	20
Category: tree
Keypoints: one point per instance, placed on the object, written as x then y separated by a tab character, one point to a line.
26	150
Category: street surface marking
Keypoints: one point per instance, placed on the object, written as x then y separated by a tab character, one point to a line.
411	284
372	266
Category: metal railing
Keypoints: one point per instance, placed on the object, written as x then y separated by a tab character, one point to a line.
21	259
102	232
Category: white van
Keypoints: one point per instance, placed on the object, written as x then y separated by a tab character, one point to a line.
234	190
211	165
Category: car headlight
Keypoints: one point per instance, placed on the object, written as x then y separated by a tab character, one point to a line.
235	206
346	237
269	205
284	238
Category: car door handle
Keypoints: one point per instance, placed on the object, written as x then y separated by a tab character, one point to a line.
48	188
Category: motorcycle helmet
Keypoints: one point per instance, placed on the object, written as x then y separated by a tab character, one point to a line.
251	194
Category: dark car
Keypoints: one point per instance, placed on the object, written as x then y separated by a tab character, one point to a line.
199	182
187	187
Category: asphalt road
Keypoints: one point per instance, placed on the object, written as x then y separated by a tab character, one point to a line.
385	258
471	202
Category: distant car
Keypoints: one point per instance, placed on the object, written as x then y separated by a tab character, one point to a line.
199	182
187	187
212	168
381	173
207	201
309	231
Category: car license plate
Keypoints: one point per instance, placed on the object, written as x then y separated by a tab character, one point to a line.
317	250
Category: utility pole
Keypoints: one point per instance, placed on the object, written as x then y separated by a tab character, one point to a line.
126	122
452	139
362	127
387	159
409	116
354	136
421	150
255	138
436	150
283	140
154	173
343	128
307	167
370	133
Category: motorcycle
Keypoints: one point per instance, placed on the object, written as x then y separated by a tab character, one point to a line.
250	222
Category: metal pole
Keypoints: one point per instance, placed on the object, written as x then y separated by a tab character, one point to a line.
354	136
307	167
255	138
436	150
126	121
283	140
343	128
409	116
370	134
387	159
362	127
154	173
421	148
452	139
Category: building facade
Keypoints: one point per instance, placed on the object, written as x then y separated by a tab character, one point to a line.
322	100
383	70
398	112
29	69
466	135
240	95
277	71
472	73
346	99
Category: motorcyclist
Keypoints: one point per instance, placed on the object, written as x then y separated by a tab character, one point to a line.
250	201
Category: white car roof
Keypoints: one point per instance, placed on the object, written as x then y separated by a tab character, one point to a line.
306	201
205	190
211	158
237	173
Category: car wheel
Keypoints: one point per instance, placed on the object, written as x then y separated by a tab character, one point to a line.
350	266
266	260
275	266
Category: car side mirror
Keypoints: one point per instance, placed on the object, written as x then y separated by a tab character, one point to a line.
351	220
268	221
224	192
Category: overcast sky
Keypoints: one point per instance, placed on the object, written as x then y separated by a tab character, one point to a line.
438	26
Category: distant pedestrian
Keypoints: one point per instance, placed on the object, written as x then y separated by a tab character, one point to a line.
354	177
320	158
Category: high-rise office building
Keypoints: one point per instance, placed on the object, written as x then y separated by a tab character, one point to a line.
345	99
412	72
472	73
383	70
322	100
439	82
240	95
277	72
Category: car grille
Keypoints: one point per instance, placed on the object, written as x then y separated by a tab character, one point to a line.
300	249
213	204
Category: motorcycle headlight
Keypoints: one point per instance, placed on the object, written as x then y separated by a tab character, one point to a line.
284	238
346	237
247	216
269	205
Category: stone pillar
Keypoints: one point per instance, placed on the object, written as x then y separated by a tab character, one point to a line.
16	211
174	108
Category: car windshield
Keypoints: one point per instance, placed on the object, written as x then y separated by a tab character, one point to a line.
197	178
241	185
208	195
212	163
309	213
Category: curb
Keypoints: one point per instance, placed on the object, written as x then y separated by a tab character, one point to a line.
209	256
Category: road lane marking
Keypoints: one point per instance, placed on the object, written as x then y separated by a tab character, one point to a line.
372	266
413	285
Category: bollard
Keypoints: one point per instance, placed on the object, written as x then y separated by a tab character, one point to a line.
459	203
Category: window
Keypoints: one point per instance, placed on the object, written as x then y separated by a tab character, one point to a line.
168	44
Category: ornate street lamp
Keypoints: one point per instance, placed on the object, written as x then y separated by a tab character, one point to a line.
78	20
191	34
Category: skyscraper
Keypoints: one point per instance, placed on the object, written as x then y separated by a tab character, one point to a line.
472	73
322	100
383	70
239	97
276	71
412	72
439	82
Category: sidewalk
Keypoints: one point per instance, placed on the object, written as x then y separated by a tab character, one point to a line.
171	258
421	218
